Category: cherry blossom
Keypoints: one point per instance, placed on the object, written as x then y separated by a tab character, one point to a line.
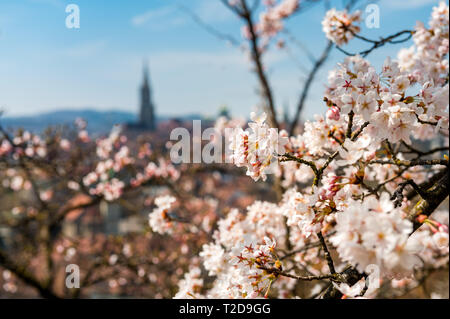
159	218
339	26
257	148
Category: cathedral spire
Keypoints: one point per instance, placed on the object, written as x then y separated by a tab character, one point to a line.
147	115
145	72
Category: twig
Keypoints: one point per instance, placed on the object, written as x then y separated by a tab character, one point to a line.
416	162
213	31
278	272
378	43
305	248
327	253
310	79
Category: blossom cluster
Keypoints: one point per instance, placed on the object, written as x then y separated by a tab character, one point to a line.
103	177
25	144
271	20
190	285
258	147
159	219
240	250
114	157
252	261
426	58
383	100
163	170
340	26
373	232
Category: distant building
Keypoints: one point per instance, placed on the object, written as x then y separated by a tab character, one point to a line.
147	120
147	112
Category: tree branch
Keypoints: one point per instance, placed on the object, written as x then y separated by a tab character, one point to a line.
28	278
310	79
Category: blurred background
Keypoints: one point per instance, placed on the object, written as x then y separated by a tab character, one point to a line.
149	66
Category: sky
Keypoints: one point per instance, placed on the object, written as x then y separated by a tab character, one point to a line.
45	66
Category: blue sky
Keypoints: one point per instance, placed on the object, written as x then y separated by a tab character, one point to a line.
45	66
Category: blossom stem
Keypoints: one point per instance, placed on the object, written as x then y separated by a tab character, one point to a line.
416	162
278	272
289	157
378	43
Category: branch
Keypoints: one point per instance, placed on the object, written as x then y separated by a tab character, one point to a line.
305	248
28	278
435	196
278	272
327	253
307	85
397	197
208	28
423	153
416	162
245	13
428	183
318	172
378	43
289	157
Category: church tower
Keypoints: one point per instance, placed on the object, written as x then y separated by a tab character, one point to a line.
147	113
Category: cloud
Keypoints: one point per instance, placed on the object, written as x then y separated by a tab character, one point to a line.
410	4
163	14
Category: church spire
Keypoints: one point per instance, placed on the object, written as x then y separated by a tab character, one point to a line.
147	115
145	71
